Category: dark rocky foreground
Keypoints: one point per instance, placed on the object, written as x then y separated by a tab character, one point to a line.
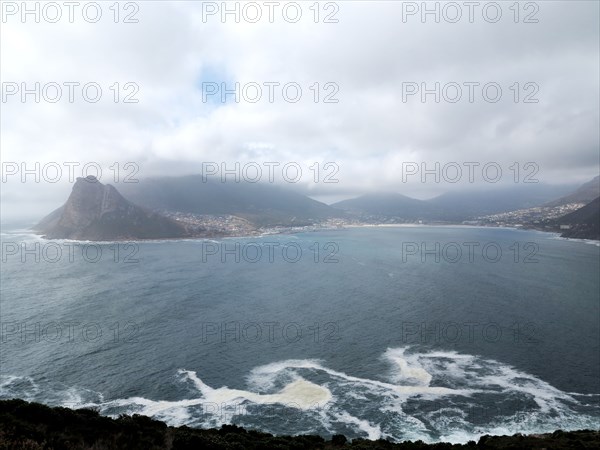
33	426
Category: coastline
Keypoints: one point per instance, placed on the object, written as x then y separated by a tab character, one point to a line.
306	229
35	426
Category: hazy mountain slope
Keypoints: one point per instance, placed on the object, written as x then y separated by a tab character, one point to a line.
264	204
584	194
454	206
386	204
494	200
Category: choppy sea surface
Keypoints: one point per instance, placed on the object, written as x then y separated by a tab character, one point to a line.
432	333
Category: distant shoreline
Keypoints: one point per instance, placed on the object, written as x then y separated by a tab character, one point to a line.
316	228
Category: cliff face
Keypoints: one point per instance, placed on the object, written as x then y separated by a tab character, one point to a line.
96	212
90	201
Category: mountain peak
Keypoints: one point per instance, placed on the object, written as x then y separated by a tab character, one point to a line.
89	201
89	179
96	211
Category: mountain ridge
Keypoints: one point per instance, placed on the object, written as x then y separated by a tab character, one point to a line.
452	206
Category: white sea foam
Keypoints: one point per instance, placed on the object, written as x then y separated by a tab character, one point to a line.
300	393
416	373
432	396
584	241
18	386
373	431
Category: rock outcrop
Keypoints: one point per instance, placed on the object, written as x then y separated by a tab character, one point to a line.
98	212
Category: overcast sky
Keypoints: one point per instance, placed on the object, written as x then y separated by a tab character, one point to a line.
372	55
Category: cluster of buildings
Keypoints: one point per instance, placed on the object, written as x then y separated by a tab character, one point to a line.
214	225
536	216
228	225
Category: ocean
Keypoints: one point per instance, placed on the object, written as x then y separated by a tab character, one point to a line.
402	333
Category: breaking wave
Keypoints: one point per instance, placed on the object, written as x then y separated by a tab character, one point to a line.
433	396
